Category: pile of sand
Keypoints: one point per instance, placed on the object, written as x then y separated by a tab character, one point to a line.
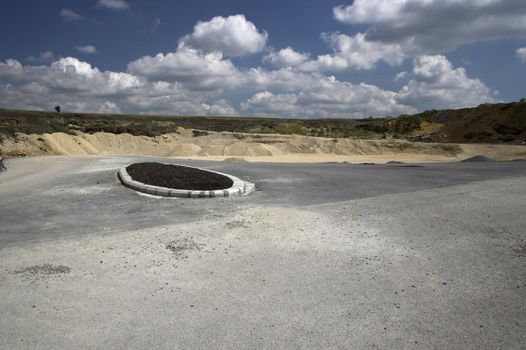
260	147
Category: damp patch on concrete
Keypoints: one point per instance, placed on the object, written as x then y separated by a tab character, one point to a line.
43	270
178	246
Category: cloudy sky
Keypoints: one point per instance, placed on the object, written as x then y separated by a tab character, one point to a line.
296	58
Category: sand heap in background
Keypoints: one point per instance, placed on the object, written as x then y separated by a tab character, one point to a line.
255	147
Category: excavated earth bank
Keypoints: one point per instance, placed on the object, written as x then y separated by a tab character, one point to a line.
254	147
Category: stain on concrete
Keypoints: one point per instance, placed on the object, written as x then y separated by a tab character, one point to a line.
44	270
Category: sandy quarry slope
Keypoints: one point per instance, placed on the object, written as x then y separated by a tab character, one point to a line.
251	147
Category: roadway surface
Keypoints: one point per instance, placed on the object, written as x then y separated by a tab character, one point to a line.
320	256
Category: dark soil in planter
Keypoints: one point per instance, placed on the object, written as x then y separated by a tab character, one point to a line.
178	177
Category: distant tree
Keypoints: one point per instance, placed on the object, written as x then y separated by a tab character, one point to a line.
57	108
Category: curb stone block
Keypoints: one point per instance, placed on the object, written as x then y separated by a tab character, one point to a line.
239	187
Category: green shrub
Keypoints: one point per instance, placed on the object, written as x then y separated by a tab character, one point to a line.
292	128
198	133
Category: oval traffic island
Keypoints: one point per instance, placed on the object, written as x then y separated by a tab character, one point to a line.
171	180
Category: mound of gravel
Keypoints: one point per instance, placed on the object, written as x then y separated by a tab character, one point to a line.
478	158
178	177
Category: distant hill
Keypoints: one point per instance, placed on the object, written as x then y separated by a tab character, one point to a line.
487	123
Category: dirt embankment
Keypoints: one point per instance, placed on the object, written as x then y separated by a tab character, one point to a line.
262	147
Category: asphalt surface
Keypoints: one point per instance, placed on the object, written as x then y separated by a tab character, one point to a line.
320	256
88	198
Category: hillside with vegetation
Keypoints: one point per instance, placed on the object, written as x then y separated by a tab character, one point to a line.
487	123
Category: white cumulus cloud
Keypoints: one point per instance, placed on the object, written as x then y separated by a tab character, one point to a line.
44	57
326	97
286	57
200	78
188	67
73	66
436	25
401	29
77	86
113	4
435	82
88	49
193	83
354	52
266	103
70	15
109	107
232	36
156	24
521	54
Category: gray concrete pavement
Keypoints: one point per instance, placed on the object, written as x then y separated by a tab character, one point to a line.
321	256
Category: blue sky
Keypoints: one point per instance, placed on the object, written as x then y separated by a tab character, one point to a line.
304	59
